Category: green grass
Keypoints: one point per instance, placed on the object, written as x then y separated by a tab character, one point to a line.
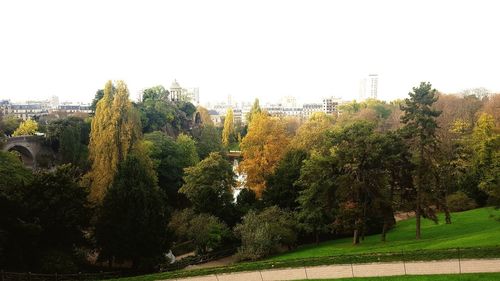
475	228
444	277
478	230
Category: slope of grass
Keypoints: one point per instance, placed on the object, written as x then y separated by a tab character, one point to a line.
445	277
475	228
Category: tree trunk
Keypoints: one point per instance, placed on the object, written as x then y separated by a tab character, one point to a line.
417	220
355	238
447	215
419	191
316	236
384	230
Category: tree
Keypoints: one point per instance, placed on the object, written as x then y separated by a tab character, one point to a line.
264	233
132	224
486	146
208	139
58	205
228	133
204	116
114	131
98	96
311	135
9	124
28	127
170	157
159	113
187	148
262	148
281	189
317	198
69	138
155	93
420	127
208	186
208	233
255	109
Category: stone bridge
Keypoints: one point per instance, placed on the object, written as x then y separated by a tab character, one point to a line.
28	148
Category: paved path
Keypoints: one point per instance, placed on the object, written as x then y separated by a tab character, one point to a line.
358	270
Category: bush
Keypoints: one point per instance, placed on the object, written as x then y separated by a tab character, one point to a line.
459	201
265	233
57	262
206	232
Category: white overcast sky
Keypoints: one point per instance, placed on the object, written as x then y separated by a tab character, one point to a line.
266	49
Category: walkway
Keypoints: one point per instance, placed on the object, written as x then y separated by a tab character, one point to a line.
358	270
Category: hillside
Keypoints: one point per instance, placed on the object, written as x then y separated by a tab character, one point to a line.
474	228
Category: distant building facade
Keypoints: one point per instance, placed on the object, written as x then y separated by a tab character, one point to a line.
29	110
368	87
177	93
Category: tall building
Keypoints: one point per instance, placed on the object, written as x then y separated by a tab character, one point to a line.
368	87
330	105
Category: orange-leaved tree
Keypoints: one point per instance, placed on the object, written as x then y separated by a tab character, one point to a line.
264	145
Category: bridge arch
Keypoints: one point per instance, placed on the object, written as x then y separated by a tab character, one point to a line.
25	155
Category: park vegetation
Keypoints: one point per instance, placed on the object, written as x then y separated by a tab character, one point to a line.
135	180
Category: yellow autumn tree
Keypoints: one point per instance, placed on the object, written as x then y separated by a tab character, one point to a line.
204	116
262	148
114	131
28	127
228	133
311	135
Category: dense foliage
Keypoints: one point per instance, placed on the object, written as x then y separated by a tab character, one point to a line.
158	173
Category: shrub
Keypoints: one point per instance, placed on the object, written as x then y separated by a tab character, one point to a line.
265	233
459	201
206	231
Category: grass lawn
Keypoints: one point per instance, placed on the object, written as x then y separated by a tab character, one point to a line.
451	277
475	228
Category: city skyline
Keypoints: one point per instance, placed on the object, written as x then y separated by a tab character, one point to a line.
246	50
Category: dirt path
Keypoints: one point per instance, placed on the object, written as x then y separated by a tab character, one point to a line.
220	262
359	270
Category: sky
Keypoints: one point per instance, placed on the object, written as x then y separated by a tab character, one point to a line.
246	49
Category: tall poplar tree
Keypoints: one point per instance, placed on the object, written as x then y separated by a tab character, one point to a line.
420	128
254	110
115	128
228	131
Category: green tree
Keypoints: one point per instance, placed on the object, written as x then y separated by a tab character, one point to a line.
486	146
28	127
97	97
132	224
115	129
69	138
187	148
420	127
264	233
208	186
360	179
206	231
170	157
58	205
9	124
228	133
208	139
158	113
281	189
